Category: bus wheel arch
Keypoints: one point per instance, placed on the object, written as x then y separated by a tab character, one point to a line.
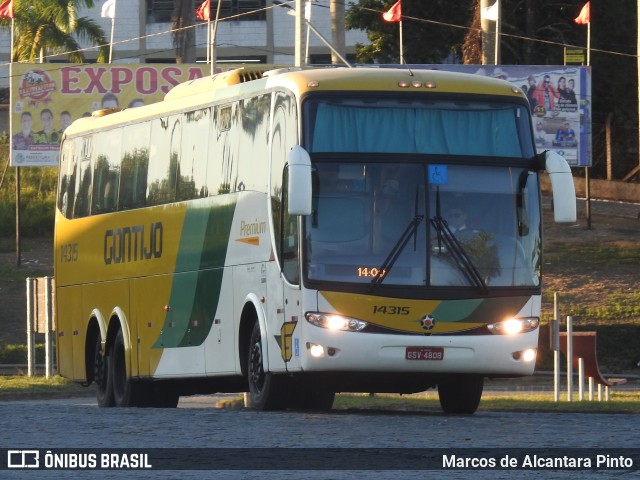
96	332
266	391
251	314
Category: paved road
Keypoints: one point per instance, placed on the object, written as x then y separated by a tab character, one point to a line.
78	423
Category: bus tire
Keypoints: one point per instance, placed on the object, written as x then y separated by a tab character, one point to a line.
101	377
309	399
460	394
162	396
266	390
126	392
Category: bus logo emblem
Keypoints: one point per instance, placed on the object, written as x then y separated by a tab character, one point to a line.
428	322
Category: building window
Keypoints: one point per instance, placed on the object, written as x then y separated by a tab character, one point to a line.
242	9
160	11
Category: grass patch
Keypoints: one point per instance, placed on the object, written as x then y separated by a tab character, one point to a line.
597	255
621	402
16	386
22	386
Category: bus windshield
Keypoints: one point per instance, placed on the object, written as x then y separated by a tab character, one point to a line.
440	217
424	225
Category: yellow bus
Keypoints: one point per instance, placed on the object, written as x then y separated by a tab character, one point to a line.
296	233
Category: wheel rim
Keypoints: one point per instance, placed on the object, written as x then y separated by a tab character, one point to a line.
100	368
256	372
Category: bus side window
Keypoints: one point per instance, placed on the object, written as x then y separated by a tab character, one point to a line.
82	200
134	167
164	155
67	187
285	226
106	174
192	168
289	238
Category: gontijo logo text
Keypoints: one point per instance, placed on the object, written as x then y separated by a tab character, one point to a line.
130	244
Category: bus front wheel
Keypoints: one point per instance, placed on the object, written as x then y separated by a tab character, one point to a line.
460	394
266	390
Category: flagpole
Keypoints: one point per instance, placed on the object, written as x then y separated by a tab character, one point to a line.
209	40
213	36
401	46
589	43
113	25
497	42
18	245
307	13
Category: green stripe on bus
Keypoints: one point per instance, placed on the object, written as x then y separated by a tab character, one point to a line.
195	291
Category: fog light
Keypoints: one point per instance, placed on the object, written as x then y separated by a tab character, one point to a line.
315	350
526	356
529	355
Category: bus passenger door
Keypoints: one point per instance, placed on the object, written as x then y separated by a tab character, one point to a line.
290	279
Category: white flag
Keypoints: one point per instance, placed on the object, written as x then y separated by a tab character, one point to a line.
109	9
492	12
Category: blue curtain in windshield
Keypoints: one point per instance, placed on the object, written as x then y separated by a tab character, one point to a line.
341	128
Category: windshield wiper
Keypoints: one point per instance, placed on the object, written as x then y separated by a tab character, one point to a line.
396	251
457	252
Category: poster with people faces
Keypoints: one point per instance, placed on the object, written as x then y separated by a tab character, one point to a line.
46	98
560	98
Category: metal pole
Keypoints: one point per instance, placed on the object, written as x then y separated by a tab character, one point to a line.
555	345
299	47
18	249
30	323
326	42
569	358
581	379
48	328
588	196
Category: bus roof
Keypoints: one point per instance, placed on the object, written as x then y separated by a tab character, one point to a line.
247	80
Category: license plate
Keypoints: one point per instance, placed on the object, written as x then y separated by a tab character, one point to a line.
424	353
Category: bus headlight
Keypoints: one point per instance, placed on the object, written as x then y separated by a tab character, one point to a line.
335	322
514	326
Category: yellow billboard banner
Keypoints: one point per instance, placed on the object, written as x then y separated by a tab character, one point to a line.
46	98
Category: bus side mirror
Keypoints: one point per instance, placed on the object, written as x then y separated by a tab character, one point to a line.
299	188
564	191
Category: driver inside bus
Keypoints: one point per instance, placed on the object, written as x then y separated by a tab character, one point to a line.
457	221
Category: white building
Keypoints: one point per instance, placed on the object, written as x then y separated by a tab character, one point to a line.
257	31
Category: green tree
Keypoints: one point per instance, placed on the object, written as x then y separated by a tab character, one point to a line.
51	27
430	41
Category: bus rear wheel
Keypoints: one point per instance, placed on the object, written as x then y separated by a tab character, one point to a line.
104	391
266	390
126	392
460	394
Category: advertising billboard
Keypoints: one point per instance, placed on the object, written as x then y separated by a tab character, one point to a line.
560	98
47	97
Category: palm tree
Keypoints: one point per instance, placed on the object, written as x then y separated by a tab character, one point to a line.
184	17
52	27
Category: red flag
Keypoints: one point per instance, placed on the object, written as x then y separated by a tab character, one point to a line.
6	9
585	15
203	12
394	14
